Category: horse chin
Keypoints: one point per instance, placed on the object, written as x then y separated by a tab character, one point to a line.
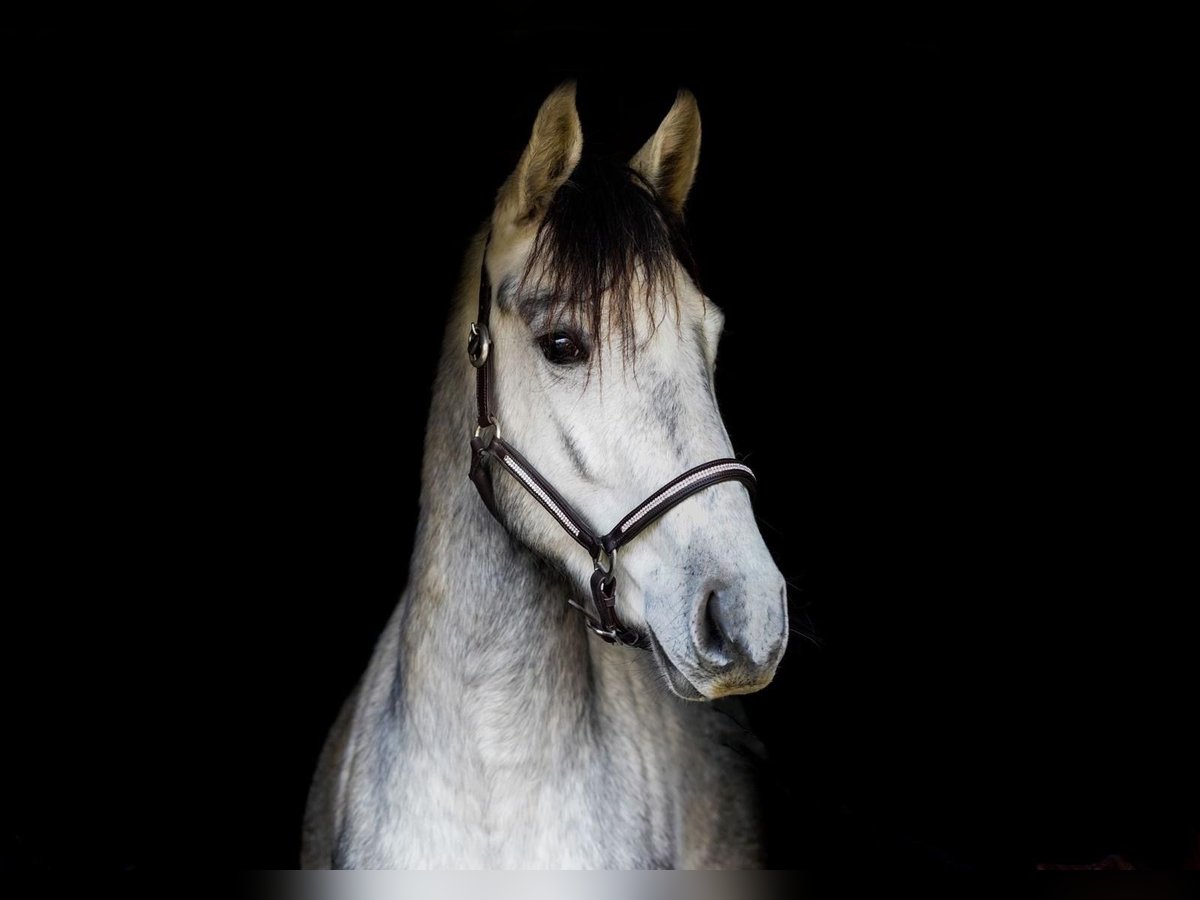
676	680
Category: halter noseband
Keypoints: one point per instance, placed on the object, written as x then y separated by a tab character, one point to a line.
604	581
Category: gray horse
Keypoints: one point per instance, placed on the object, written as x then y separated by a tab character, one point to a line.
492	729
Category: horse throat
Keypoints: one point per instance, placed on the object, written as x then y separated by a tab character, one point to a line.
486	636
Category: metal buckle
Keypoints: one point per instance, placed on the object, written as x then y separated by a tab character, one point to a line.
612	560
479	344
594	626
494	424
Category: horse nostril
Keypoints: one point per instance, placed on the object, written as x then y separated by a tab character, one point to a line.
713	642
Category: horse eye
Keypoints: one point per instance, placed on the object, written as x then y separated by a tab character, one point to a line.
562	349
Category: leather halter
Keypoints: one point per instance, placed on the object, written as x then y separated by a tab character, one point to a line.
605	623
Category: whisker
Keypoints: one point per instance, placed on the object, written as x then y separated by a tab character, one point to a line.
766	524
808	636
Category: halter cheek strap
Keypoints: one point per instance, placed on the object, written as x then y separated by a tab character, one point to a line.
487	443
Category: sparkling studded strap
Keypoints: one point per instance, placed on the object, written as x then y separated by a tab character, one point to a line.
544	493
690	482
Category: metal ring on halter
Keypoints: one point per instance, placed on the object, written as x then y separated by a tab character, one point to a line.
610	633
612	560
492	423
591	621
594	626
479	344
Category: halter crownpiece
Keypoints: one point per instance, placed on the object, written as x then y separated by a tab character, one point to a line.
605	623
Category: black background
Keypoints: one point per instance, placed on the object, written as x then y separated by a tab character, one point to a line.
230	346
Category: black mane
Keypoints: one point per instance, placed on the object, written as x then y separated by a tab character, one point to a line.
606	232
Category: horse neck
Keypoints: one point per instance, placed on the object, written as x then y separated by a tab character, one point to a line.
485	624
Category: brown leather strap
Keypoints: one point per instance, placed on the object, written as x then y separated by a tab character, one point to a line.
479	343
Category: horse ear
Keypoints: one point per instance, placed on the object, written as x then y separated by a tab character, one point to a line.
669	159
548	161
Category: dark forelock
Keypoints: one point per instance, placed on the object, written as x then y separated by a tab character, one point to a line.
606	237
